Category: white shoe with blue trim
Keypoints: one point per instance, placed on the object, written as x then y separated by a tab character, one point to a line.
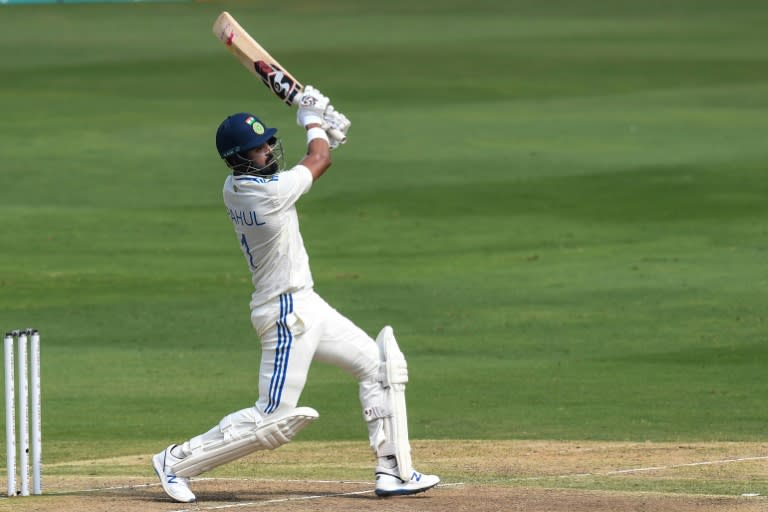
388	483
177	487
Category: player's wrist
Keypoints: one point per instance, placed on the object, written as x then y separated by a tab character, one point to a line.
316	132
308	118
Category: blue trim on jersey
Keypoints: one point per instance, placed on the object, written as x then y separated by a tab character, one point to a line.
257	179
284	341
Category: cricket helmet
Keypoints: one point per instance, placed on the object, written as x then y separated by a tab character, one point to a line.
240	132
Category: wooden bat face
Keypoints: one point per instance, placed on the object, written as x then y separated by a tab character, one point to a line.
256	59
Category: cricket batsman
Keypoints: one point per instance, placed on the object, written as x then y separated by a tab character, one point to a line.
294	324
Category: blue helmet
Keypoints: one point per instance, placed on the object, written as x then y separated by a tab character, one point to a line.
240	132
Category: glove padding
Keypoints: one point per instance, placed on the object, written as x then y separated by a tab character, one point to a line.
312	107
336	126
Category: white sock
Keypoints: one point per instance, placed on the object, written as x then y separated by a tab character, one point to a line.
388	462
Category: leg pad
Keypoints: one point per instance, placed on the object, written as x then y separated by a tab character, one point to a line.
385	409
242	433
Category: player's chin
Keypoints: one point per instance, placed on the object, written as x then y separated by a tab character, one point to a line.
272	167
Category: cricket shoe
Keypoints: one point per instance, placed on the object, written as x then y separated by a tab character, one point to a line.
177	487
389	484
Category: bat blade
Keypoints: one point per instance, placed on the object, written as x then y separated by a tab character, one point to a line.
256	59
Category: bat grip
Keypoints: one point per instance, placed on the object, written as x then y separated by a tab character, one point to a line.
338	135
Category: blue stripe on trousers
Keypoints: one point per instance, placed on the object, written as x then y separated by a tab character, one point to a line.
284	340
287	333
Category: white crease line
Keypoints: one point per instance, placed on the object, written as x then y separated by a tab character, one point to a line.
203	479
651	468
244	504
705	463
283	500
98	489
219	479
269	502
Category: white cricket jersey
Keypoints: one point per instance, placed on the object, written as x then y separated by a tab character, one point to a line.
263	213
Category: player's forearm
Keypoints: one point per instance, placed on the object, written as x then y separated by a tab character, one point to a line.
318	158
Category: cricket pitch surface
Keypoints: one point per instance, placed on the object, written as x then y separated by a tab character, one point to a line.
478	476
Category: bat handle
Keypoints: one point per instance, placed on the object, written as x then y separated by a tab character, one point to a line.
338	135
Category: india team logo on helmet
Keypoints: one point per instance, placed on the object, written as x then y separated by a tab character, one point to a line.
258	128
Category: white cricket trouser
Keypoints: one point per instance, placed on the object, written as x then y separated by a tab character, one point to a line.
294	330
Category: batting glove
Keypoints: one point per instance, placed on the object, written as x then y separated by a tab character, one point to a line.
312	107
336	126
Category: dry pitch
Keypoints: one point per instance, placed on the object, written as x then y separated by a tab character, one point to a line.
479	476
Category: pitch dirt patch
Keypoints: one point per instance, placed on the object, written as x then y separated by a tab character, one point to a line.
478	476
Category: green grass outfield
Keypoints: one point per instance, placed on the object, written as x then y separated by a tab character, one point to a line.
561	207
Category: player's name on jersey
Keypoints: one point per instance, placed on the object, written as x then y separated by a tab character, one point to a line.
244	218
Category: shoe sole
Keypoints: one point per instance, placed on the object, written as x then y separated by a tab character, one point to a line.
402	492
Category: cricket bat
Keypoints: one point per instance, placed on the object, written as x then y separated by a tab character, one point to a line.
258	61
